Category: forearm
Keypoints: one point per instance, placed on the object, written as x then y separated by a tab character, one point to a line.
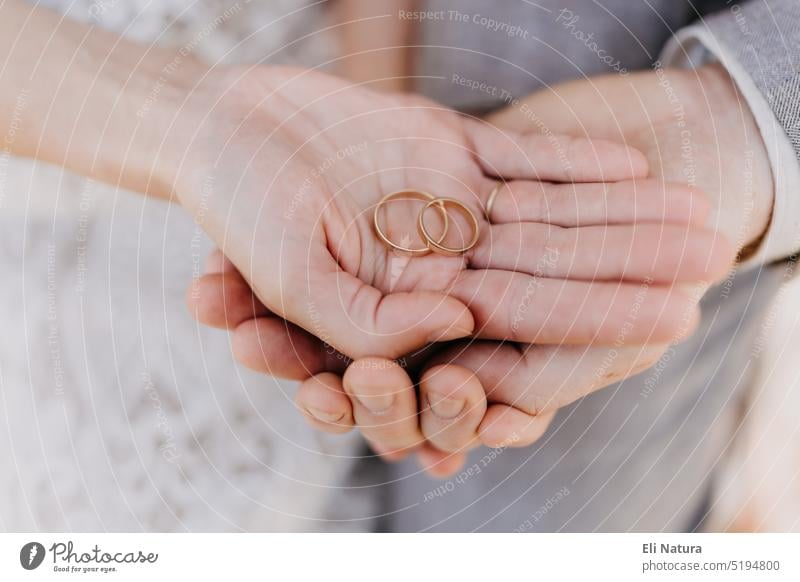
85	99
374	38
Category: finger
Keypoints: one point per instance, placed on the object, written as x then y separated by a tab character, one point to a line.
660	253
571	205
389	455
439	464
531	309
273	346
384	404
541	379
506	426
324	404
559	158
452	406
223	300
261	342
499	426
359	320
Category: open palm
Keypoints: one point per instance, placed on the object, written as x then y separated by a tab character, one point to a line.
290	165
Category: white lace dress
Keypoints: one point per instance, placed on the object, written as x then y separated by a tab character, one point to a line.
117	411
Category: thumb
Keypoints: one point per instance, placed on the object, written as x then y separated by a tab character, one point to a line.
359	320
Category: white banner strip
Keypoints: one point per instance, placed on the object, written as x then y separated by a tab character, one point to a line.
400	557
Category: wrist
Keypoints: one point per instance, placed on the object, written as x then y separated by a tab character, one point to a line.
148	124
744	180
203	116
217	123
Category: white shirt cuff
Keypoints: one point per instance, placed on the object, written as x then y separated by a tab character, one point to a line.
694	46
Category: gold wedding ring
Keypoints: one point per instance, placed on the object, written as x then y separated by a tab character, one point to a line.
410	195
431	243
490	201
437	246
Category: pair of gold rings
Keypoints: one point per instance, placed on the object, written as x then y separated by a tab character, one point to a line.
431	244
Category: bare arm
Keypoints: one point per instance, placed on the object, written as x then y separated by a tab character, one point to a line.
86	99
374	41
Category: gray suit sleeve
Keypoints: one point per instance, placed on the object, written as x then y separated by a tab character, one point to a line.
764	37
759	44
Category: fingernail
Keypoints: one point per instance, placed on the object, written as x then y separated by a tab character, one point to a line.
375	403
324	416
446	408
449	334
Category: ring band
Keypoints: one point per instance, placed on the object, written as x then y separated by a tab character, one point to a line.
436	246
410	195
490	201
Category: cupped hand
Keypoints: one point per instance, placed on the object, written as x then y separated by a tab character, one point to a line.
694	126
286	166
450	414
524	384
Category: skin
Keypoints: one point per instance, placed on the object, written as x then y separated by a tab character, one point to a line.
525	385
236	146
282	167
307	156
373	47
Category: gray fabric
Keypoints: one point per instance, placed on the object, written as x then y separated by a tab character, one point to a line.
765	39
545	52
641	454
637	456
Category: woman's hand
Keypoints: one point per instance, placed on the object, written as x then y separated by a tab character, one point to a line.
282	167
286	166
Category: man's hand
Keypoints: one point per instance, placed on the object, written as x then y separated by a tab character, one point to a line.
695	128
